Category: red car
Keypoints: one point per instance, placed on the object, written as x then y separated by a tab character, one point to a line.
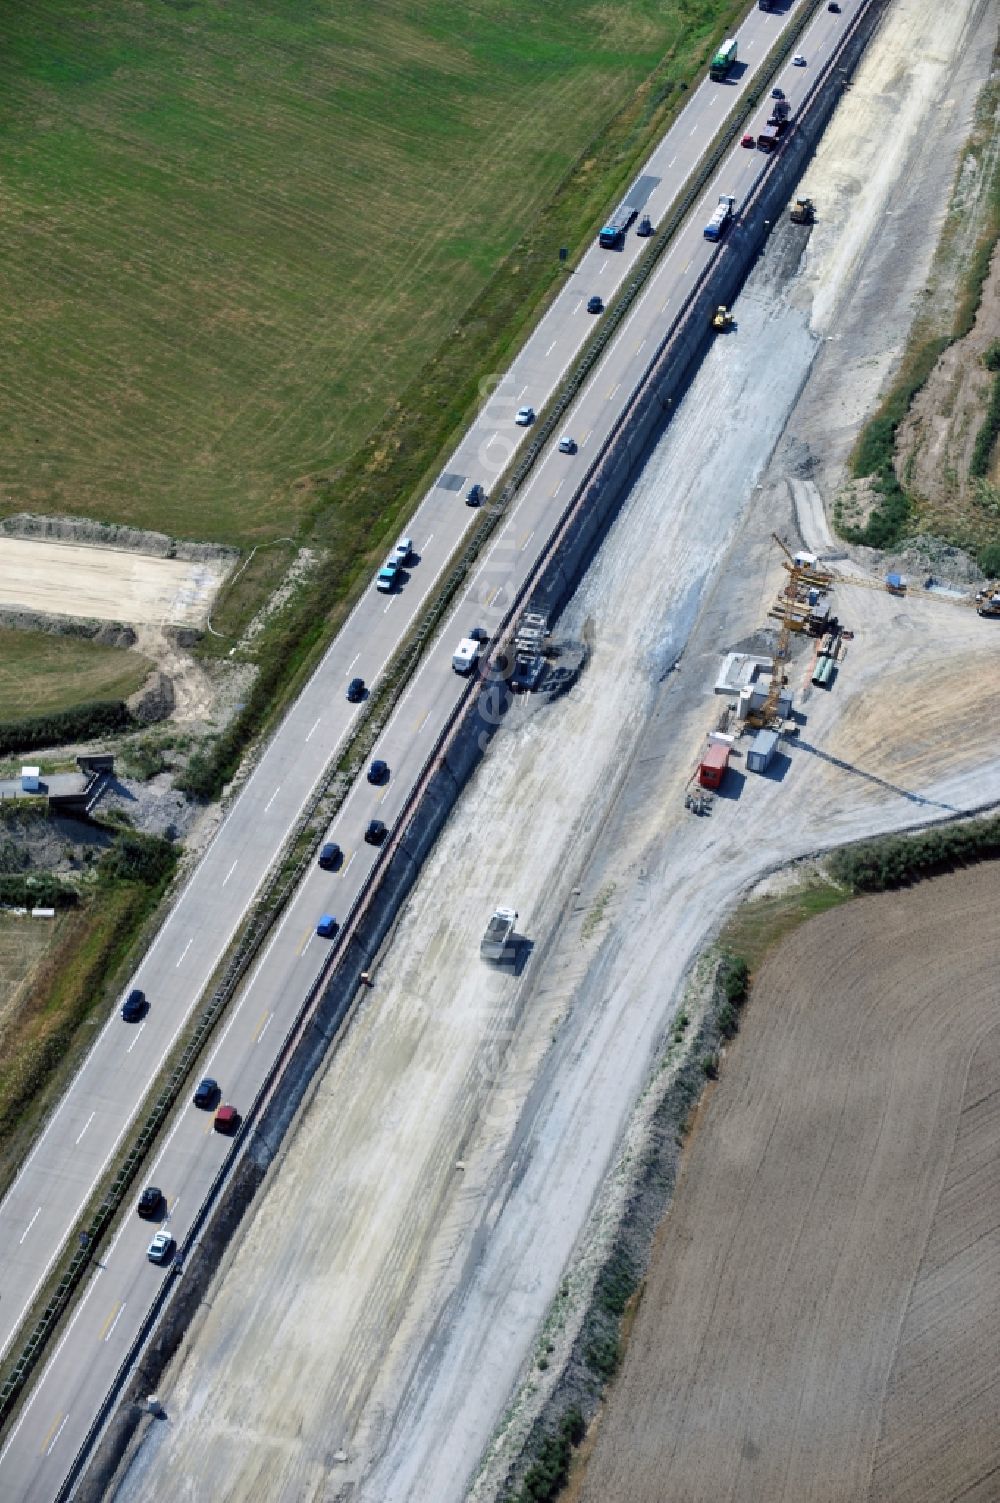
227	1119
749	140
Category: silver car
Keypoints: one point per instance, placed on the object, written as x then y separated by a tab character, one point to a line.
525	417
160	1248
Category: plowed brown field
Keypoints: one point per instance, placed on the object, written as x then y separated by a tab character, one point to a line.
822	1315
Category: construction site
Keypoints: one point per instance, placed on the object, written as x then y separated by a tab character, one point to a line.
728	691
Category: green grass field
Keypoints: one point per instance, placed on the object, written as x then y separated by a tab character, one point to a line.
39	673
231	234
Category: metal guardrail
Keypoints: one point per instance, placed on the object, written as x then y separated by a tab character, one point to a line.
278	888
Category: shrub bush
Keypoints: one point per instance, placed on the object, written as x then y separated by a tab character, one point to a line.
547	1475
986	438
734	976
83	723
877	865
40	891
138	858
989	560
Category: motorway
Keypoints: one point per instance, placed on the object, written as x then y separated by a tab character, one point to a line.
58	1177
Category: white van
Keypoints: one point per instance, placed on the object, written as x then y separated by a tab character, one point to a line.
466	655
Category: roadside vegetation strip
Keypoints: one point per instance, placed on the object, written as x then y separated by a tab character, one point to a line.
696	1040
60	727
986	439
896	860
874	456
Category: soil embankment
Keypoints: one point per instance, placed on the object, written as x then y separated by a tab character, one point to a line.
817	1320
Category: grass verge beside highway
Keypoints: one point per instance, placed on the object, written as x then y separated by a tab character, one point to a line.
47	1032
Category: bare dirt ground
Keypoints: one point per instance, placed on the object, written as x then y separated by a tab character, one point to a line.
820	1316
106	583
384	1301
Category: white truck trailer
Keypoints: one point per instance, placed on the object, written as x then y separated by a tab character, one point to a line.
495	943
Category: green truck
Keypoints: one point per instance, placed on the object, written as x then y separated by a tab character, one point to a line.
723	60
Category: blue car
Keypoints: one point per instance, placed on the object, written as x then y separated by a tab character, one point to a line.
388	576
327	926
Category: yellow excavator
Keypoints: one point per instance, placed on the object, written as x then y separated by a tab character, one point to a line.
803	211
722	319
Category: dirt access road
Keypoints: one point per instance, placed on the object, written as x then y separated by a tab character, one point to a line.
383	1302
821	1318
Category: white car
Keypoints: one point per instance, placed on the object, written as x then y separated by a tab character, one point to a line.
567	445
525	417
403	551
160	1248
798	60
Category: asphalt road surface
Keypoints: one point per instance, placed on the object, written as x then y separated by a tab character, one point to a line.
59	1176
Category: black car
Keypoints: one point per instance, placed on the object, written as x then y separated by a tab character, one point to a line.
356	690
479	634
207	1093
834	7
376	832
134	1006
595	305
150	1203
475	495
645	226
330	856
378	772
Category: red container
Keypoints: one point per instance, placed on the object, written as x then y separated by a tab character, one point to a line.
713	765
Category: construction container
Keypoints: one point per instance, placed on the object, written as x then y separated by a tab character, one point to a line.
713	765
761	753
895	584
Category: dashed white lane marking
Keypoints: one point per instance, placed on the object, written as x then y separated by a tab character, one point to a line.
271	800
83	1129
229	873
313	730
57	1435
184	952
111	1330
31	1223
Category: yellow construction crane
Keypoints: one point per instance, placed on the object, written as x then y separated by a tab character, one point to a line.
809	574
767	716
789	611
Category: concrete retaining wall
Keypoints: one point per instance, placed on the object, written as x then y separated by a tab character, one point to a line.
460	749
